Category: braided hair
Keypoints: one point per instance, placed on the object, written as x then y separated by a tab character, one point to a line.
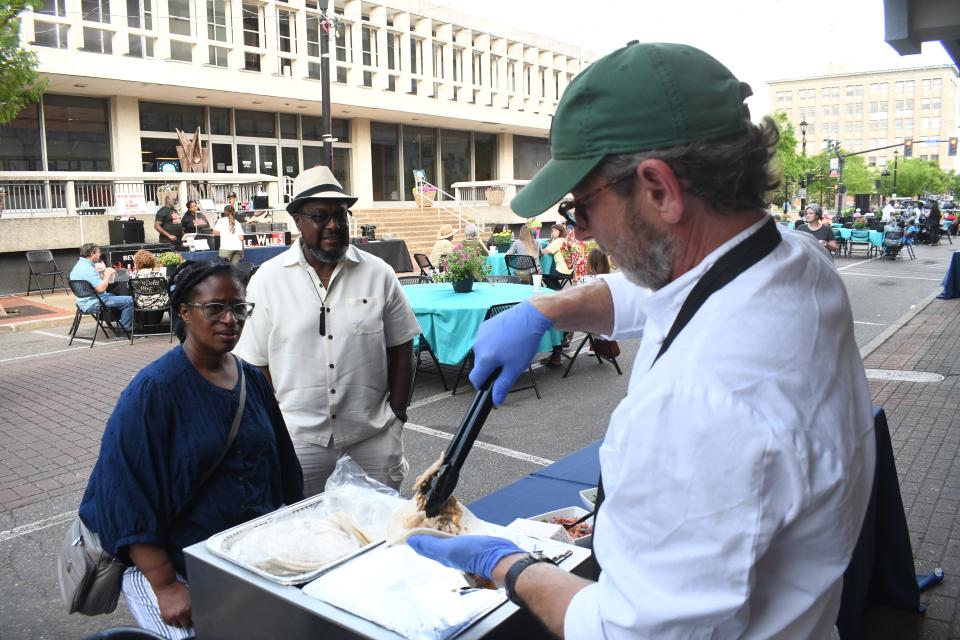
185	280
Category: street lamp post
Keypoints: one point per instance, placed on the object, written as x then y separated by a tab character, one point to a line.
803	150
896	156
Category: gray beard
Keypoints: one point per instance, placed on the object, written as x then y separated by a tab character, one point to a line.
331	257
643	253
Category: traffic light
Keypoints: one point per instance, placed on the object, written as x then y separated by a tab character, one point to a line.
952	147
908	147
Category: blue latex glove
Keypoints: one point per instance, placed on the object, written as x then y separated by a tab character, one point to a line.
473	554
509	340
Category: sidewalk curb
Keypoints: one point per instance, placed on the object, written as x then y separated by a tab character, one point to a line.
898	324
39	323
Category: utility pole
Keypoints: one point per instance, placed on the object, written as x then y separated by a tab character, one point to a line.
326	122
896	156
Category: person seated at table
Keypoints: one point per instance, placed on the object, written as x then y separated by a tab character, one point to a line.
167	222
597	264
169	426
442	246
525	245
86	269
230	231
492	241
815	227
145	265
560	268
472	240
193	220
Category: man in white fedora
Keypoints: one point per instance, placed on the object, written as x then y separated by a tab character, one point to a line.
334	334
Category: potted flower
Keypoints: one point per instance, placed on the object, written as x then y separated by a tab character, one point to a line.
462	267
425	195
494	196
502	240
170	260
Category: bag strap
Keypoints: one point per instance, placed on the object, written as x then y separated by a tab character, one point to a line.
743	256
234	428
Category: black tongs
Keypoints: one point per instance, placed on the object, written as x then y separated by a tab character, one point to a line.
440	487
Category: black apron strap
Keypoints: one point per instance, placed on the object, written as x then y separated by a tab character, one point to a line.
730	265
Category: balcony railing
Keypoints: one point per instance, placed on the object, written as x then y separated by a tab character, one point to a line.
26	194
493	193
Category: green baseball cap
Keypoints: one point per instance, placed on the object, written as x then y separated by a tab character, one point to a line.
644	96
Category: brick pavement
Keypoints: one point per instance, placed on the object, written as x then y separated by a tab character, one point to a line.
52	413
925	433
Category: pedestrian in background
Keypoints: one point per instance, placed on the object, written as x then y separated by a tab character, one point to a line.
230	231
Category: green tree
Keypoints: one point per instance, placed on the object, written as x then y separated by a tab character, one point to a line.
857	177
917	177
19	82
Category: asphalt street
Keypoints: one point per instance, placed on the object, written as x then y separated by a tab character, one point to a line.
519	437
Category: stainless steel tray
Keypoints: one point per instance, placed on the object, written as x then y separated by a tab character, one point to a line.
221	543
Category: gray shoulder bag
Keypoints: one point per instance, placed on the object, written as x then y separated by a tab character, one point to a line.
89	577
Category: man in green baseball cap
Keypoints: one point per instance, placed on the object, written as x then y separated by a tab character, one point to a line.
737	470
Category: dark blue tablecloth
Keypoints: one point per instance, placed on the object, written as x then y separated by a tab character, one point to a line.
951	281
255	255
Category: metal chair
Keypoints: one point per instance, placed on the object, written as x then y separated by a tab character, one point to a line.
423	261
519	263
99	313
421	344
504	279
42	264
590	338
859	237
405	280
150	295
492	311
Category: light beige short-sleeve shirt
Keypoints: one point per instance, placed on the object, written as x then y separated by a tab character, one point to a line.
335	384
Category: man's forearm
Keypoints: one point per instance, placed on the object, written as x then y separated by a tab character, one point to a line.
400	374
587	307
545	589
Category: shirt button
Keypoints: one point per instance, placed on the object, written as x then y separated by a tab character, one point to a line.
364	301
333	417
328	309
333	390
331	365
329	337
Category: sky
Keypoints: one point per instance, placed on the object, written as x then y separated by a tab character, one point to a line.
758	40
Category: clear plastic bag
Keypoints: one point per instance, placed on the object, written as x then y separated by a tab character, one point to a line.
371	503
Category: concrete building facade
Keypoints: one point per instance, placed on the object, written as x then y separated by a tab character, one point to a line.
414	86
875	109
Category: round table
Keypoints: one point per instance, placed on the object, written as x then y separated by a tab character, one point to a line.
449	320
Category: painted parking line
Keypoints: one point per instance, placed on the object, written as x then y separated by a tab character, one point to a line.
479	444
38	525
887	275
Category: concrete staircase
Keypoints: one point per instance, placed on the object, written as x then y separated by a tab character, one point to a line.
415	226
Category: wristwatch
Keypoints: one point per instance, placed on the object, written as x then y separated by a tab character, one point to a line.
514	572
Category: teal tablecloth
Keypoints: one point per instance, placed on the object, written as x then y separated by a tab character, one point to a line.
498	264
450	320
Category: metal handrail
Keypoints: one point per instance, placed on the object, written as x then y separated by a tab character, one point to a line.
440	205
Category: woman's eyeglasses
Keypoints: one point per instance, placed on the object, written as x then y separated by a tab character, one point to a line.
216	310
571	208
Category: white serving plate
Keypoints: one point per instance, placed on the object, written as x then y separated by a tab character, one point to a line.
589	498
568	512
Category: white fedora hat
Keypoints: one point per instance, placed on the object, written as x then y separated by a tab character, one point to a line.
317	183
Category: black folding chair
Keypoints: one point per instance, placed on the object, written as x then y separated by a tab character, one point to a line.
592	340
150	296
423	261
519	263
42	264
504	279
412	280
492	311
101	314
422	345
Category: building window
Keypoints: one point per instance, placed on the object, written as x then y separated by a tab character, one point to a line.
139	47
46	34
287	31
97	40
854	90
477	69
95	10
77	133
494	72
182	51
253	26
343	46
341	75
220	121
159	116
256	124
20	141
529	156
218	21
385	161
419	152
313	35
221	155
454	158
438	61
368	41
251	61
180	18
511	76
936	87
217	56
139	14
484	156
393	52
53	8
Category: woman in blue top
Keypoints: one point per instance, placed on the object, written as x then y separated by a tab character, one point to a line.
169	427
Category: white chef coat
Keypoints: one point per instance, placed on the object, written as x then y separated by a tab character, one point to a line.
333	384
737	470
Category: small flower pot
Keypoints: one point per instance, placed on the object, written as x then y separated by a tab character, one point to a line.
463	286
